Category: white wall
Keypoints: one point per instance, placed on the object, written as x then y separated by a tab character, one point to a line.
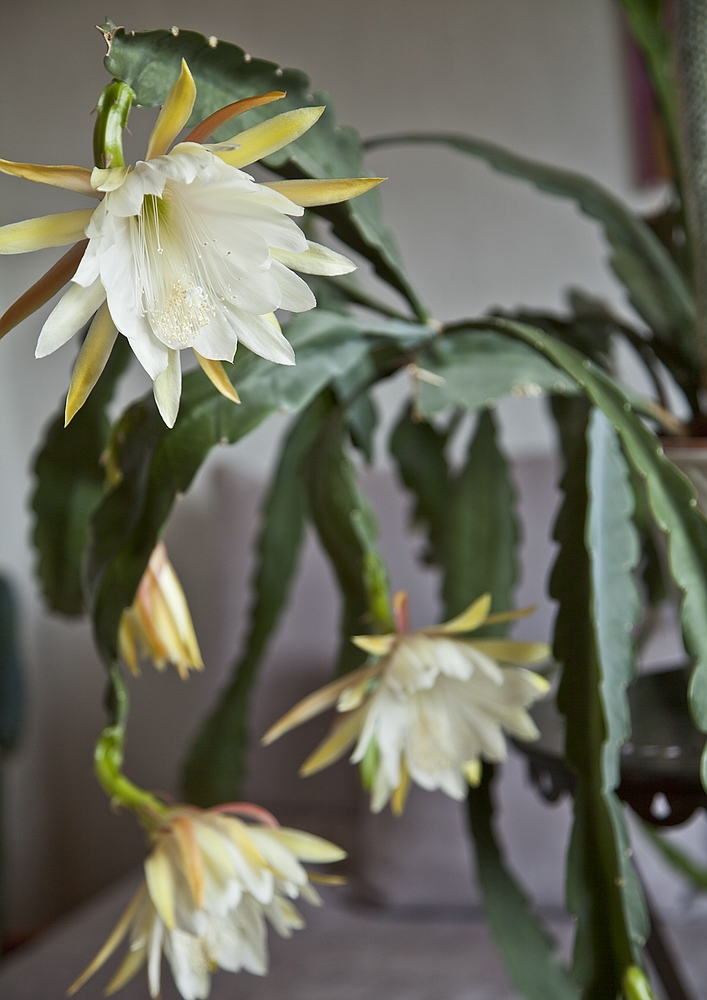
542	76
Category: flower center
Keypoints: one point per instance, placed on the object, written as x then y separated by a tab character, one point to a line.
174	286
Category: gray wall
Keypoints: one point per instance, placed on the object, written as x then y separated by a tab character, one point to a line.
545	78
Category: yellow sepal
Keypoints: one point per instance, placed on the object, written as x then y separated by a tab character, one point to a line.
91	361
174	114
309	193
46	231
214	371
267	137
69	178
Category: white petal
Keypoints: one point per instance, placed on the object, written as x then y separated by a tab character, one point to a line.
167	389
262	337
217	341
150	352
154	959
315	260
297	296
73	311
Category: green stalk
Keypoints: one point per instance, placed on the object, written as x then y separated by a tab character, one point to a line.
692	97
108	760
112	113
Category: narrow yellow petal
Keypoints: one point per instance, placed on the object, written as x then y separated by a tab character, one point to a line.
316	703
215	372
267	137
511	616
343	734
44	289
510	651
309	193
206	128
91	361
307	846
131	964
174	114
160	884
474	616
76	179
112	942
323	879
46	231
376	645
399	798
472	772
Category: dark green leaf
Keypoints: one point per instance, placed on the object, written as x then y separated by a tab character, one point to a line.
655	283
156	463
671	498
149	61
346	527
362	419
614	550
418	449
215	767
11	684
527	951
70	485
481	534
479	367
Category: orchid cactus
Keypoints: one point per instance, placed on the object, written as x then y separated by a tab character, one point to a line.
187	250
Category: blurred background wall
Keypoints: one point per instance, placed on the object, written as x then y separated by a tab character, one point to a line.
544	77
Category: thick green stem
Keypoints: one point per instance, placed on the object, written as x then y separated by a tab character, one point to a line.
692	91
108	761
112	113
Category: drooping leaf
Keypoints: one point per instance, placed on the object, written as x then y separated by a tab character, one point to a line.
214	769
656	286
598	606
156	463
527	950
347	529
481	533
671	499
70	485
11	683
149	61
418	449
478	367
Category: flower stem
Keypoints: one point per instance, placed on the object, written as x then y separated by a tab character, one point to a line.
108	760
112	113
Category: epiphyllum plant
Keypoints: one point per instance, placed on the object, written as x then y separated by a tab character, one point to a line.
619	486
185	250
429	707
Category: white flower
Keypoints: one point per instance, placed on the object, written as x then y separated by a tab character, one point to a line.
429	708
185	250
211	882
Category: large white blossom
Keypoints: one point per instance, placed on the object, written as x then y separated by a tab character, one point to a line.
211	883
185	250
429	708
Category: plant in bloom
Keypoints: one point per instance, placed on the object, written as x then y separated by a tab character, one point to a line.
428	707
211	882
158	624
185	249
